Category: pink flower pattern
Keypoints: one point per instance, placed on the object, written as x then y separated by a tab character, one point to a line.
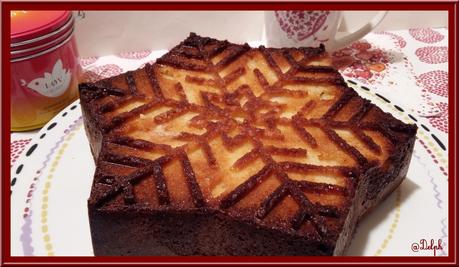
399	40
135	55
432	54
440	121
17	147
435	82
101	72
84	62
361	61
426	35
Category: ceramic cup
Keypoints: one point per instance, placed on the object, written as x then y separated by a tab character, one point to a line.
303	28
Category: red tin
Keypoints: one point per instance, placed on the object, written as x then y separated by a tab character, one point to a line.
44	66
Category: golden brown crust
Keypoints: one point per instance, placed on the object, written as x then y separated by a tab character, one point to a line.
269	139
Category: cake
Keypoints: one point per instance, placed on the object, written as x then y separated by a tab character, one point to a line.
223	149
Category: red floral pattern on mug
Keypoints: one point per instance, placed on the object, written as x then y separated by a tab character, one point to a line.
300	25
361	60
432	54
426	35
101	72
435	82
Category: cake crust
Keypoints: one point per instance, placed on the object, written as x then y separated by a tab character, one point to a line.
224	149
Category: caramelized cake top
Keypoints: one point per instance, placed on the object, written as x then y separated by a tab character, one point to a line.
268	136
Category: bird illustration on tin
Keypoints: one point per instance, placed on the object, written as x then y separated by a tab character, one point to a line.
51	84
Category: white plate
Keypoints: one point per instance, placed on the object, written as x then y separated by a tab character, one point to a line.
51	183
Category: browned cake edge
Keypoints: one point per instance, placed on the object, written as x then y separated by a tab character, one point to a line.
211	232
168	233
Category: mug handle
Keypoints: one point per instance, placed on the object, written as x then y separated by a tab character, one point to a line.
364	30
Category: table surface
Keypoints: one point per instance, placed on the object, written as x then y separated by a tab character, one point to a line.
408	65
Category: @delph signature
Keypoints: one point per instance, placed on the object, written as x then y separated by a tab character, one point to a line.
425	245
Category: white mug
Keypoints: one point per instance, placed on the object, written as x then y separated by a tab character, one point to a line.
303	28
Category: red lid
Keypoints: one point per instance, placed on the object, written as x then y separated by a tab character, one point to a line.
29	24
